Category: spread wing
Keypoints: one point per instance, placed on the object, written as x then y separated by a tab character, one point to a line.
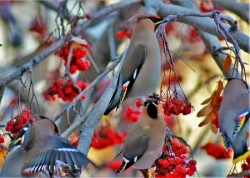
56	148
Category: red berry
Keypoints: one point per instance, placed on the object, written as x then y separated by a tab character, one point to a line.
1	140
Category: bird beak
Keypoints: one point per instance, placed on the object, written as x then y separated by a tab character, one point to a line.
157	24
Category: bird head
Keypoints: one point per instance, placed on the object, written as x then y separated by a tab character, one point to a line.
152	106
157	20
40	128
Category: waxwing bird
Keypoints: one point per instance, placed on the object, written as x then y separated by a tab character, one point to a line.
141	69
233	118
144	142
41	149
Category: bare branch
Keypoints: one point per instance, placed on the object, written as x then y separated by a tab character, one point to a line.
89	125
34	61
240	9
212	43
56	45
205	24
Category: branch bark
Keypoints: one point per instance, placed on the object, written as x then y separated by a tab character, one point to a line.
56	45
212	43
204	24
95	114
98	78
240	9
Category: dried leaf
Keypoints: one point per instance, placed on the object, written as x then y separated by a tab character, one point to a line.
205	121
227	63
204	111
219	88
208	118
206	101
213	128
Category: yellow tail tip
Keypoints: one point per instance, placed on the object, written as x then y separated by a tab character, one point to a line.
104	117
241	157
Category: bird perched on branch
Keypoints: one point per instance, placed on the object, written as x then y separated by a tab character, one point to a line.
233	119
144	142
42	149
141	69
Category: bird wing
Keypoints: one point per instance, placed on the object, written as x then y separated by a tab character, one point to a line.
131	67
240	121
135	58
133	151
56	148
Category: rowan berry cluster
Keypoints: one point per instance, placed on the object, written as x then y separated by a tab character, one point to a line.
126	33
76	63
171	80
174	163
66	91
131	115
107	137
217	151
176	106
14	126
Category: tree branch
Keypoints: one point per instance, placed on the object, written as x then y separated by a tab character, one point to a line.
56	45
212	43
95	114
205	24
240	9
81	94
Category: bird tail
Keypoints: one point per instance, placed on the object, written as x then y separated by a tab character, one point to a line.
123	167
146	173
104	117
241	157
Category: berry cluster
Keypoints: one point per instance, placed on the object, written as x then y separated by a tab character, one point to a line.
171	80
107	137
206	6
246	166
14	126
78	53
131	115
66	91
217	151
174	163
126	33
39	28
176	106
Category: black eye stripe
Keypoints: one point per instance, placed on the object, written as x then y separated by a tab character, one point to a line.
152	110
155	19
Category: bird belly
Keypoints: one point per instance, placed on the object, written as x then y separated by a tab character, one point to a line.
149	77
149	157
147	160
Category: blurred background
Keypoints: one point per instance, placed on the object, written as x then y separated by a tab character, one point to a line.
29	27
